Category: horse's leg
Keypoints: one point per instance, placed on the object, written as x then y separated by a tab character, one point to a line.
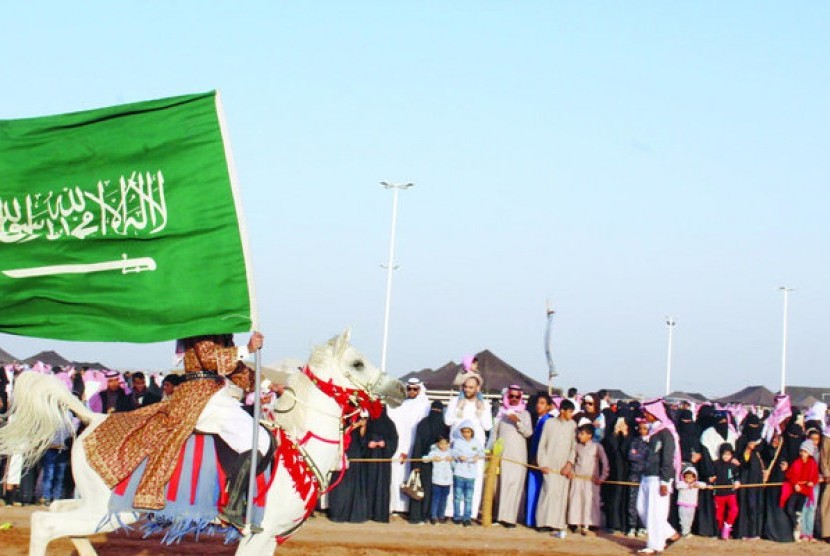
76	518
79	522
65	505
261	544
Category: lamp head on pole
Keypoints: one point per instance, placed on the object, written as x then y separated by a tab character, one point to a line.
387	185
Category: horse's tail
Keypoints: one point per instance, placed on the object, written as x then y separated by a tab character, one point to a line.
38	413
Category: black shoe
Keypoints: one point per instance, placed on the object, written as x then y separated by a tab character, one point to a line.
467	523
545	529
508	525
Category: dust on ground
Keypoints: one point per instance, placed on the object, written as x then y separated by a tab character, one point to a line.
319	535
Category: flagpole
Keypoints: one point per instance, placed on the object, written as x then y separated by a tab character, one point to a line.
249	511
786	291
670	322
390	266
249	268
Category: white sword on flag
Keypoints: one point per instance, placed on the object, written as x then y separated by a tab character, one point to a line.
124	264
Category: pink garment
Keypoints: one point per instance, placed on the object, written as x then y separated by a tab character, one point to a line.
467	362
506	408
41	367
781	412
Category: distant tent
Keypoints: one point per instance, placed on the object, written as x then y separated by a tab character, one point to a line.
751	395
6	357
52	358
800	395
91	365
619	395
694	397
808	402
496	373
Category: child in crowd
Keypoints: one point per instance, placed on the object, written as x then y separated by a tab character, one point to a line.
441	458
590	468
466	452
808	515
636	455
687	491
726	498
54	463
802	476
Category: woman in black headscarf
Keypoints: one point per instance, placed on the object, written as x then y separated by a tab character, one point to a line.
777	525
615	497
427	433
705	523
381	442
348	501
748	450
689	435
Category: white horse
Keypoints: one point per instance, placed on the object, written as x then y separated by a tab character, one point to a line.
307	414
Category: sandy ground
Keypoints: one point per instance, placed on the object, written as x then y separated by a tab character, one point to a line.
319	535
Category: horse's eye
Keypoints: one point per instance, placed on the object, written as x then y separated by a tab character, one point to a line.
358	364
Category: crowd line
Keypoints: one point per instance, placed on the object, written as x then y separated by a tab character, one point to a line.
568	465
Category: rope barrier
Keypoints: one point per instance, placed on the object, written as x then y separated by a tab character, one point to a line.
537	468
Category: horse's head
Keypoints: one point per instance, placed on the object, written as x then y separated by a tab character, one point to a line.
341	362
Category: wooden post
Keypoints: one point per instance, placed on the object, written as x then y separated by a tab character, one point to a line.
491	473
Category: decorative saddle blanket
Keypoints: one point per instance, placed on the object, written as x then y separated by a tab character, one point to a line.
195	494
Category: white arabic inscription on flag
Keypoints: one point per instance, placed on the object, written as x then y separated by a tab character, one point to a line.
136	204
133	205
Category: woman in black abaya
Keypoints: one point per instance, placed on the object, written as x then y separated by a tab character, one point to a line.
777	525
748	448
705	523
615	497
381	443
348	501
427	433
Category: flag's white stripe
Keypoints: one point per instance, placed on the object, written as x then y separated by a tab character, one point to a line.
237	201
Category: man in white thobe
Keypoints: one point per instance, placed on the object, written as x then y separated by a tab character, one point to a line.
468	405
406	418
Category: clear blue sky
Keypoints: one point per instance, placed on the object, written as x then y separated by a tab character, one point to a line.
626	160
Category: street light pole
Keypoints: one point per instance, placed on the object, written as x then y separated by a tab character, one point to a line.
390	266
670	323
786	291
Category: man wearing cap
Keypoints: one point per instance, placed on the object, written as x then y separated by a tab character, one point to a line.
406	418
114	398
662	465
513	428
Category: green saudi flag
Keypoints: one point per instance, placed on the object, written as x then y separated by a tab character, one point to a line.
122	224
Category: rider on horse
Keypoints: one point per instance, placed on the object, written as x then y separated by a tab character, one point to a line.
158	432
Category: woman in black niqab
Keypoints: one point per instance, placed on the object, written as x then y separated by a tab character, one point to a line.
705	523
427	433
348	501
381	442
689	434
748	448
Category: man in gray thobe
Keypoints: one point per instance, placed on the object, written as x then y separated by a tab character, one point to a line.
555	457
513	426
